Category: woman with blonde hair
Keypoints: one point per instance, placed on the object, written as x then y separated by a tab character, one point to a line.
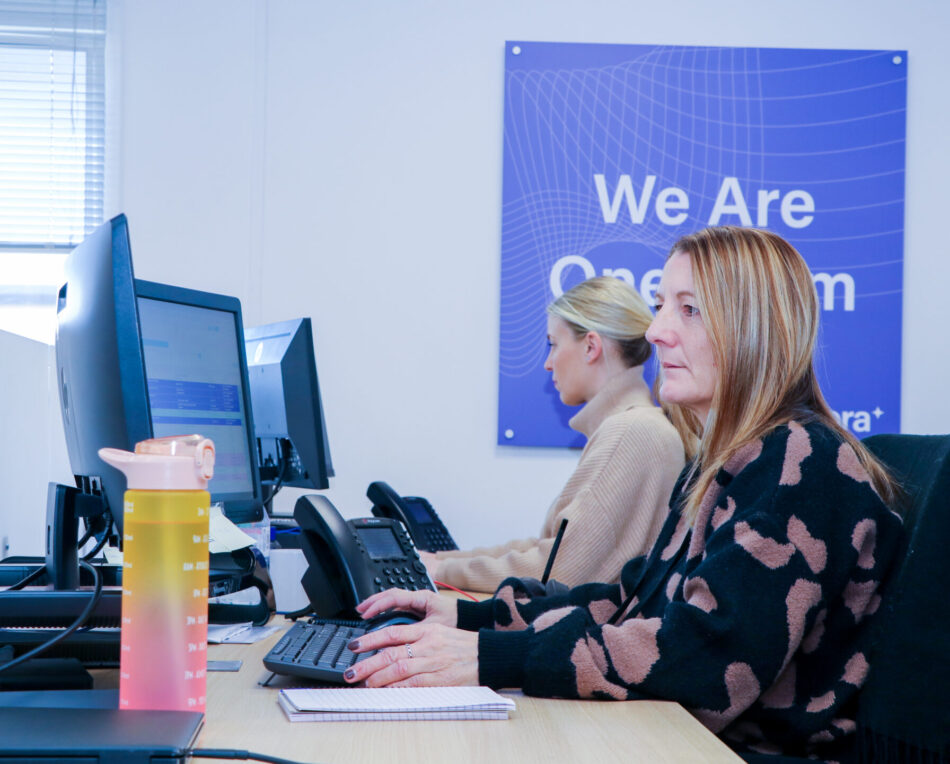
616	499
753	608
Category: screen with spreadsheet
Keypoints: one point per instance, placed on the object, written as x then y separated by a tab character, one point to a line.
196	384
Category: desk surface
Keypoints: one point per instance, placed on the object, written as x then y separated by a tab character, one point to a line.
243	714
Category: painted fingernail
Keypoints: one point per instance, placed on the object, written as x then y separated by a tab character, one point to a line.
349	674
353	645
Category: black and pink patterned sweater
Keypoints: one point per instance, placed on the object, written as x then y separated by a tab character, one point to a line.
755	618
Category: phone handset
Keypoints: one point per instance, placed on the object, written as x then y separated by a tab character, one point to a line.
427	530
348	560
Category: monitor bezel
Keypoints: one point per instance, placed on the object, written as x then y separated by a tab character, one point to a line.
101	377
241	507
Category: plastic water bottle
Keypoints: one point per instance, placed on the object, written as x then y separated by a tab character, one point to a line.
164	657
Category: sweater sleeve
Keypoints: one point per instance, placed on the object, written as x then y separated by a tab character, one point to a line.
673	656
773	568
617	502
600	600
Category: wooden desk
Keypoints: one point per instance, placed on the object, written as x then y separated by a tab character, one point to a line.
243	714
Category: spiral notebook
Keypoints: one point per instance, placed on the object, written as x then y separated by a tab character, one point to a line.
339	704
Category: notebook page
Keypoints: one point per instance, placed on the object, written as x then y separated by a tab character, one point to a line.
355	699
387	716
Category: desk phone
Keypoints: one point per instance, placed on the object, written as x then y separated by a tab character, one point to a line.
427	530
348	560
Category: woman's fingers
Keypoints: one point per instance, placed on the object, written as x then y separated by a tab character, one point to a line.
389	635
417	655
424	603
385	657
409	672
391	599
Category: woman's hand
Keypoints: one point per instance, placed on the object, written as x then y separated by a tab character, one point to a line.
416	655
425	603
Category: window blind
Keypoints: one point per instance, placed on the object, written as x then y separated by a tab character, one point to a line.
52	121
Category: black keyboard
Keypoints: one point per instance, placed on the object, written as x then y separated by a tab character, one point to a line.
316	649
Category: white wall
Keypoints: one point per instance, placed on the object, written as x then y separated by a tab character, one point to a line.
34	447
343	160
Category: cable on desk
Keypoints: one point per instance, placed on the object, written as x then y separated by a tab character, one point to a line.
444	585
77	624
229	753
25	580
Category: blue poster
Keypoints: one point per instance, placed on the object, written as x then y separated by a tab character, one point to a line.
612	152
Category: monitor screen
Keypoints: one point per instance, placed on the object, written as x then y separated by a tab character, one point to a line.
195	385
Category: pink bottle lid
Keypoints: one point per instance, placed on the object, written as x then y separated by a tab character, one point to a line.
178	463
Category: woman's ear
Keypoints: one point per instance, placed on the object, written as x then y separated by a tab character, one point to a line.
593	347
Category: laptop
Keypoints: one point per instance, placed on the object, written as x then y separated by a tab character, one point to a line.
89	734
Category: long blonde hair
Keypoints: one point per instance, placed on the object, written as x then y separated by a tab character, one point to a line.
760	309
613	309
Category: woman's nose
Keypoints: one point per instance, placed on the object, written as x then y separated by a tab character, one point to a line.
656	331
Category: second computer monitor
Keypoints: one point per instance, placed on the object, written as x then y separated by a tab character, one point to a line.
288	412
192	344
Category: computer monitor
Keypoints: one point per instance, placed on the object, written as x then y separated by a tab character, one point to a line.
134	360
137	360
291	431
197	381
100	366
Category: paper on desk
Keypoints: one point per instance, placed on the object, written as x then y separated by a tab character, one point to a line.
225	536
350	704
238	633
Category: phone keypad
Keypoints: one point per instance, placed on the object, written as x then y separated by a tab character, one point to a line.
438	540
402	576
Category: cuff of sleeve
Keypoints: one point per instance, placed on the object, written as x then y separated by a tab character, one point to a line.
501	657
472	616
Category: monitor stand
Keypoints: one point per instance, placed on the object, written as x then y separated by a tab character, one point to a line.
64	506
59	595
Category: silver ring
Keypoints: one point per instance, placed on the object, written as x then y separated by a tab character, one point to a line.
409	650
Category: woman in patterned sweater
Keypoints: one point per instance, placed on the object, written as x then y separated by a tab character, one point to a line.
752	608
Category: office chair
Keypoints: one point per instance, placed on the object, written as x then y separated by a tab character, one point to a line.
904	707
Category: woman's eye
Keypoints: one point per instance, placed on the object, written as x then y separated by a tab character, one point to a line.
690	310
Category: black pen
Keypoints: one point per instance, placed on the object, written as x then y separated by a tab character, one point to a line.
557	543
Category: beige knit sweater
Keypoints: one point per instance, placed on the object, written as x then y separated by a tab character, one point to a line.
615	502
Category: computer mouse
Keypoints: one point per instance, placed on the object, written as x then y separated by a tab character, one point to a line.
391	618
